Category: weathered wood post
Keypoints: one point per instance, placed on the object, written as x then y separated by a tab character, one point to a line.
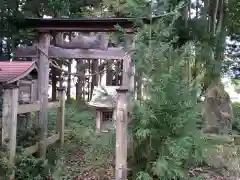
128	65
127	62
34	98
60	121
43	47
98	120
124	99
121	134
9	120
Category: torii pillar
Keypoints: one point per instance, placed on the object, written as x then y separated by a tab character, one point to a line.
124	99
43	48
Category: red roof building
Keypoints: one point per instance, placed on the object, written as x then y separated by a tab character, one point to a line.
16	70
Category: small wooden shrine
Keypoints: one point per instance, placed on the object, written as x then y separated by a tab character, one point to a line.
24	75
104	100
21	73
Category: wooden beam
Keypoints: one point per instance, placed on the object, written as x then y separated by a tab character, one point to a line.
54	104
34	148
52	139
100	41
44	43
25	82
31	149
25	108
57	52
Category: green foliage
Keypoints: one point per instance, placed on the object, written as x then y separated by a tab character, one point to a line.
26	167
28	136
236	116
4	170
166	140
31	168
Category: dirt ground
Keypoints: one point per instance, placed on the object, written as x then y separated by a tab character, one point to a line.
223	163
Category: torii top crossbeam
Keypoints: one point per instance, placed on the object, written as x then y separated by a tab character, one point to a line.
77	25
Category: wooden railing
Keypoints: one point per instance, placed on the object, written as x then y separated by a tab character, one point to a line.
34	148
25	108
11	109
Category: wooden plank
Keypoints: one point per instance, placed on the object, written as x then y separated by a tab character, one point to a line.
25	108
52	139
43	74
57	52
80	25
54	104
25	82
82	29
31	149
34	148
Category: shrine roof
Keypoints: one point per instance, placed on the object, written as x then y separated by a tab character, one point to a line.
15	70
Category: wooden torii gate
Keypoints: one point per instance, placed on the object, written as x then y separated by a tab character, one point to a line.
87	48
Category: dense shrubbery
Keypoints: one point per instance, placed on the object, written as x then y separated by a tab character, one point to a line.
166	139
236	117
167	142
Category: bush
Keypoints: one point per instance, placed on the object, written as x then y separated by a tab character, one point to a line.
236	117
31	168
166	139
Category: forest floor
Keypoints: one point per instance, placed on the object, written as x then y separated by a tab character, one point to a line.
223	163
90	156
86	155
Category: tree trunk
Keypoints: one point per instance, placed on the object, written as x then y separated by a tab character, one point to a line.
69	81
8	48
54	83
79	85
60	75
217	109
109	74
89	83
95	76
